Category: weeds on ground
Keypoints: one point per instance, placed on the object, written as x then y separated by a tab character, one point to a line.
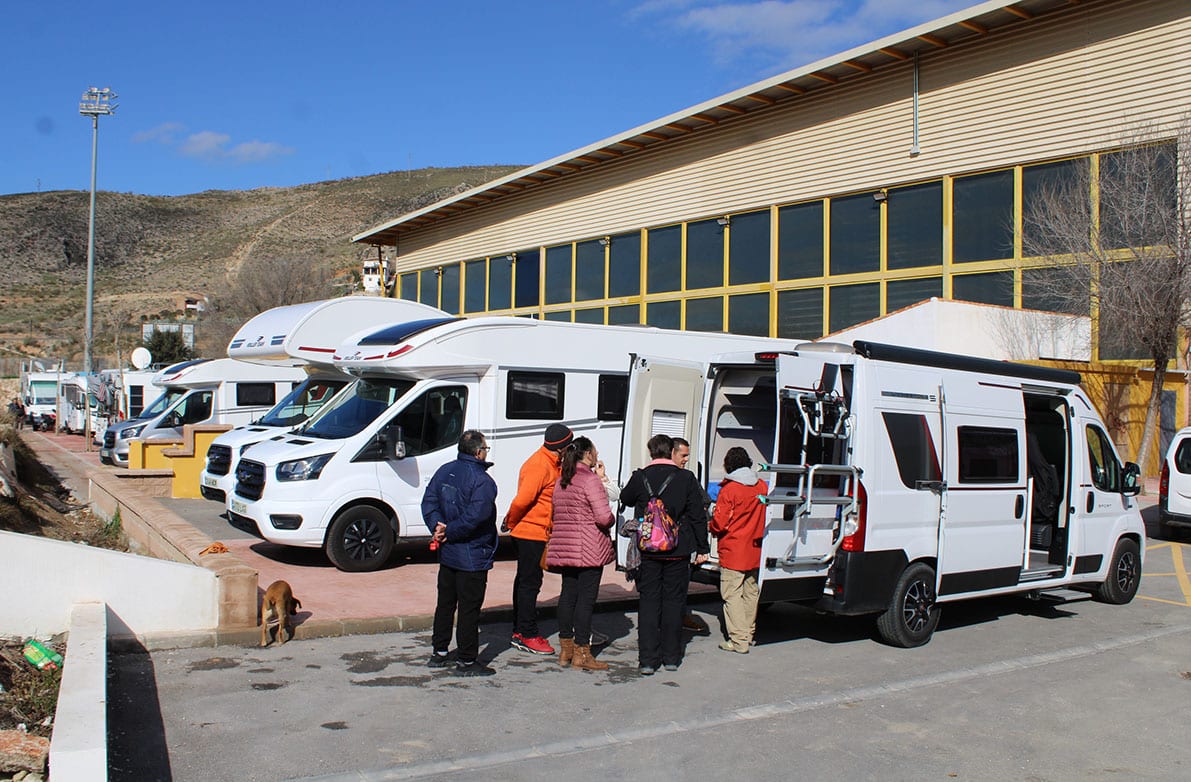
29	696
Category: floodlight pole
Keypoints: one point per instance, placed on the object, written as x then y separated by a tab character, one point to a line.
95	102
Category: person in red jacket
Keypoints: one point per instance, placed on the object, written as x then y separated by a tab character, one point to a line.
528	521
739	525
579	548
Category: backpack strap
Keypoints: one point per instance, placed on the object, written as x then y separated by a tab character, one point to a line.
665	483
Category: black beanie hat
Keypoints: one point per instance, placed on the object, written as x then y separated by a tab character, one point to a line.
558	436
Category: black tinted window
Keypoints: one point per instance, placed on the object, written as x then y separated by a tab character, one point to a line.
535	395
913	448
987	455
255	394
1182	457
613	397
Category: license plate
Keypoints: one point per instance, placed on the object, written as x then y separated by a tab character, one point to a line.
239	507
105	453
209	480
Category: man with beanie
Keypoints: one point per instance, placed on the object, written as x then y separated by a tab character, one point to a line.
528	521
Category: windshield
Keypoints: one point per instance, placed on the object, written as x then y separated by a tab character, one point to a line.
162	402
359	405
303	402
44	392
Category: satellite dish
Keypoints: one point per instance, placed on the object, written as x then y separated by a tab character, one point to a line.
141	358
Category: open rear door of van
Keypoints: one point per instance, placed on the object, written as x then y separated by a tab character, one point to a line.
665	397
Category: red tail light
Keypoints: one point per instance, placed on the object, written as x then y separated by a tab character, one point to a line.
855	541
1164	483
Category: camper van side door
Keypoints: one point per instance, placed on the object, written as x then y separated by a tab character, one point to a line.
1098	501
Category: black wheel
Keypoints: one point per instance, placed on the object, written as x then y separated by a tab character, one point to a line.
1124	574
360	540
912	615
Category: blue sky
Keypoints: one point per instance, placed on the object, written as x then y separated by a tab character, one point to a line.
237	95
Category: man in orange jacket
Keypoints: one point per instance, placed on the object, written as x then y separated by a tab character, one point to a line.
528	521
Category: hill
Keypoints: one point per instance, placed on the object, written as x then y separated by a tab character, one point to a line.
153	252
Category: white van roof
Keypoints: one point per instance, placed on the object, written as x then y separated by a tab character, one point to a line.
212	372
309	333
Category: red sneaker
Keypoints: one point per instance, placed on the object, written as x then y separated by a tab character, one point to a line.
535	645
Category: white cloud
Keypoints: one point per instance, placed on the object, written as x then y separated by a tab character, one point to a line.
254	151
211	145
205	144
165	133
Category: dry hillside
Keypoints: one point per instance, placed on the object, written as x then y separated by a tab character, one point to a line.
154	251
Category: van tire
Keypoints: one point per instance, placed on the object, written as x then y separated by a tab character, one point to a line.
360	540
912	615
1124	574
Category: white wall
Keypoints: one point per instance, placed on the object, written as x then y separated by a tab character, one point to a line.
42	579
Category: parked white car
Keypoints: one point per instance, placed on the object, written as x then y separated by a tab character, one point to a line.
1174	493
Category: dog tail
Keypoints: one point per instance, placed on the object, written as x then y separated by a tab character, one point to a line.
297	604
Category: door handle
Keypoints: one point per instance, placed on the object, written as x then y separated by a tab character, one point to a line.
1019	507
1091	502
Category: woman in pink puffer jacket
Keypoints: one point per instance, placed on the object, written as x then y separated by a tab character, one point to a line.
579	548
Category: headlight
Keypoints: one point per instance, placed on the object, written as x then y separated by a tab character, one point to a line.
303	469
132	432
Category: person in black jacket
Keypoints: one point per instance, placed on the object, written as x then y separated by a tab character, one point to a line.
663	578
459	508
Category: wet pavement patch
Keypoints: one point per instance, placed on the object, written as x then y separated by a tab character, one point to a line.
371	662
260	670
334	725
214	664
268	685
394	681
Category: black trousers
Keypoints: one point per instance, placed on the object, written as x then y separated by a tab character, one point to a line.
462	590
526	586
663	585
576	603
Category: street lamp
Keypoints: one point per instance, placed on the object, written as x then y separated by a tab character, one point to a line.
95	102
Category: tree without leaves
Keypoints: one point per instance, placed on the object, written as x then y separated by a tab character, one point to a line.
1117	242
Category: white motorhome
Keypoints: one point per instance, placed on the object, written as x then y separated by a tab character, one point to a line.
203	391
350	480
902	479
39	389
303	336
78	398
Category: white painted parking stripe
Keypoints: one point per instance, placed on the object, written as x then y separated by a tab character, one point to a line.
744	714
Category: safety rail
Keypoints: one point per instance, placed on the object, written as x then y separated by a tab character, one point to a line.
804	498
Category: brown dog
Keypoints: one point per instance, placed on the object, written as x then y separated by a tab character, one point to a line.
279	603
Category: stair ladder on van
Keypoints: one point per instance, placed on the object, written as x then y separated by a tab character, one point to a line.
824	416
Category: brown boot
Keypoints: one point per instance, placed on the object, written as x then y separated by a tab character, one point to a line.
566	651
584	661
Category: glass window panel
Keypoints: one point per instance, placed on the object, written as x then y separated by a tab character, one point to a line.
1067	179
749	314
748	248
564	315
664	314
1117	340
589	271
800	314
558	274
592	315
913	448
624	259
1138	196
500	283
990	288
450	288
475	286
983	217
528	276
428	287
664	272
855	234
914	222
1057	290
535	395
612	398
705	314
852	304
409	286
903	293
704	255
800	241
624	314
987	455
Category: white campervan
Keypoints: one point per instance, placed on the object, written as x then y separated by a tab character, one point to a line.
203	391
303	336
40	392
902	479
350	480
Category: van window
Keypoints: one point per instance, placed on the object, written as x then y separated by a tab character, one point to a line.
255	395
537	395
613	397
434	420
913	448
1182	457
302	402
348	413
1106	470
136	400
987	455
194	409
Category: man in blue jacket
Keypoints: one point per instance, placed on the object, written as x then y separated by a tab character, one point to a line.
459	508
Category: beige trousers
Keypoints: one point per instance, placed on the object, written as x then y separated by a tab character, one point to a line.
739	591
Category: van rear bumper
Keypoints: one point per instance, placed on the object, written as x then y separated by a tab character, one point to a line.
861	582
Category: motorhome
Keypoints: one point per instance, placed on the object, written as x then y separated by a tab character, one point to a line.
904	479
203	391
39	389
350	480
79	397
303	336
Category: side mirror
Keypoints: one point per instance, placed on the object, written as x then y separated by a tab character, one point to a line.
392	442
1131	480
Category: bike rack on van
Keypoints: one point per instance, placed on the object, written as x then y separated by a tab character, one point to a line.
804	498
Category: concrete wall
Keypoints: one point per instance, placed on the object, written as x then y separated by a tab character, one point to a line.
43	579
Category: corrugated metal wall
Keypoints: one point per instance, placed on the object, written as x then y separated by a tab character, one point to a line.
1053	87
